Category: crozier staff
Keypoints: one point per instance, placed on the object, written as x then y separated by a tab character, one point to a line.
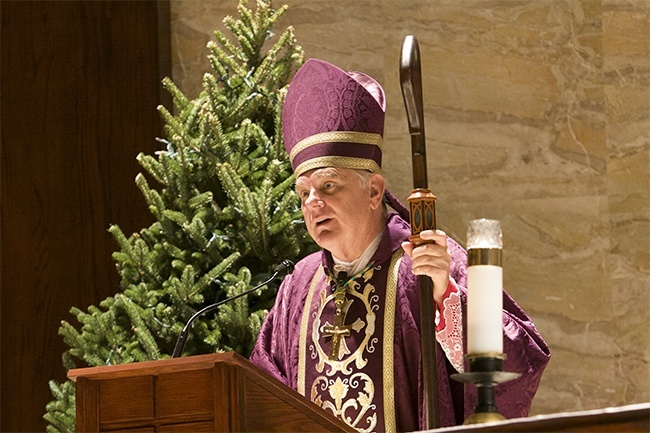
344	330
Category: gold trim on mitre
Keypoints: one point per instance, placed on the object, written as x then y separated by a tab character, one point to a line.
336	137
338	161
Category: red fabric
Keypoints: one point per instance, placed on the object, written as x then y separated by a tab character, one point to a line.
440	309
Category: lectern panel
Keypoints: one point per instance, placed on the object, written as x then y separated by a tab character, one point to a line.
126	398
274	414
194	427
131	430
184	393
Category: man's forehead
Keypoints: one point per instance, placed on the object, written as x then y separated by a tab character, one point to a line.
319	173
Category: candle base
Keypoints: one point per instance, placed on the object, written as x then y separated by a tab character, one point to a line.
485	373
484	417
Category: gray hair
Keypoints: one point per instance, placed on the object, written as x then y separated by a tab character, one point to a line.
363	176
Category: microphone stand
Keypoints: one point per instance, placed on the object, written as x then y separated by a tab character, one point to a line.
180	342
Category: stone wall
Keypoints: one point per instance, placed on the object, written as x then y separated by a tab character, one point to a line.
537	114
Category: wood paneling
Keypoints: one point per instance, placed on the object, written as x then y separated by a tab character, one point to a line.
80	86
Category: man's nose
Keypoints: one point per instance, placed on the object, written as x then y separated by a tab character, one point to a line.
313	199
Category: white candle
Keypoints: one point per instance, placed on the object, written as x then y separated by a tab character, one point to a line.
484	288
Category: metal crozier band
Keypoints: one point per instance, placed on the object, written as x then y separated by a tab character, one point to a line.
484	256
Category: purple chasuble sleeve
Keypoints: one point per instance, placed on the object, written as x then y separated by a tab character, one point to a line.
266	350
276	349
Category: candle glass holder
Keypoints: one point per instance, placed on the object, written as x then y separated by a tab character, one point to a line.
484	287
484	233
485	372
484	318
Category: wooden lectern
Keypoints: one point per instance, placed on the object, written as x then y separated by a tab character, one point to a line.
205	393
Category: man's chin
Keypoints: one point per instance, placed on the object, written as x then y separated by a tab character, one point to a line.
324	239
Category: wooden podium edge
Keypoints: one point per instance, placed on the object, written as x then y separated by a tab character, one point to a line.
630	418
158	366
251	372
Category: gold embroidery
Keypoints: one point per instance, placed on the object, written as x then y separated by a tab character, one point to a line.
389	337
304	325
342	364
350	395
337	161
334	137
340	330
338	391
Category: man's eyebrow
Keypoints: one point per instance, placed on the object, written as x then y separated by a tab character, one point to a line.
328	172
299	183
325	173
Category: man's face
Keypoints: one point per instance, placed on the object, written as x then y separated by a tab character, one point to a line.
338	209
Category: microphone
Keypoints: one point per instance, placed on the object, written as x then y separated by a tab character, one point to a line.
285	266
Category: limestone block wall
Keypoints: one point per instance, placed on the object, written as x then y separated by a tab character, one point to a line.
537	114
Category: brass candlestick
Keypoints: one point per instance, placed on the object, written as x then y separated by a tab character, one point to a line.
485	372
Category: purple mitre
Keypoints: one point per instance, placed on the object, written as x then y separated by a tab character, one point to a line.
333	118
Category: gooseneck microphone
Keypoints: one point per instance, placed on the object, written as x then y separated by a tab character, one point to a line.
285	266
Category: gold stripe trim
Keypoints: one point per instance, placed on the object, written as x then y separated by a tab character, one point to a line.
484	256
304	326
337	161
389	347
336	137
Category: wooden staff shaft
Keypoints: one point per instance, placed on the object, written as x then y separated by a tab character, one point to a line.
423	217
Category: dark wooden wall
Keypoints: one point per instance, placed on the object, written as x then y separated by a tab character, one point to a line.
80	86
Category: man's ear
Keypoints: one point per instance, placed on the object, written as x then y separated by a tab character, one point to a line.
377	185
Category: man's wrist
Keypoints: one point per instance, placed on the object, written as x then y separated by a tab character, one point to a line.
451	286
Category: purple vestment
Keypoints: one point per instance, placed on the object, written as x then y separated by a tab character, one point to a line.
294	343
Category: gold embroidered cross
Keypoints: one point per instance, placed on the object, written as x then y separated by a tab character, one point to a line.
336	331
339	331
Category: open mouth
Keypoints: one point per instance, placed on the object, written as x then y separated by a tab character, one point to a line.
322	221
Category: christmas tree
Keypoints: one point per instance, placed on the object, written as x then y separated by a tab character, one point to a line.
225	215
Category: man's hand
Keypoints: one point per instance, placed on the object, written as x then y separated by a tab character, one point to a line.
431	259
